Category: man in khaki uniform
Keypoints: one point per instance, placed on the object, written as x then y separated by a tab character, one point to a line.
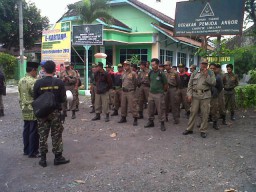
129	84
117	89
158	85
173	92
68	76
103	85
199	93
93	87
143	83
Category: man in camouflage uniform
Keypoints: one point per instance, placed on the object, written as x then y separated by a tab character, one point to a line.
129	84
78	81
93	87
158	85
230	81
30	133
68	76
117	89
199	93
52	122
214	110
143	83
173	92
221	101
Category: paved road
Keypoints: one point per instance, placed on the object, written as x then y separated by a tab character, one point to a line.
137	159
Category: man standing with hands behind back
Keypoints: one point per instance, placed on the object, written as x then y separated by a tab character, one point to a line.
199	95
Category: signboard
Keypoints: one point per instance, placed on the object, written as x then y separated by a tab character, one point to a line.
56	43
88	34
211	17
223	61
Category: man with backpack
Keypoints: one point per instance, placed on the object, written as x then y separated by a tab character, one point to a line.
52	121
103	83
158	85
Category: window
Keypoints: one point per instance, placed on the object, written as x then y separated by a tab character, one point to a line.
129	53
182	58
191	60
166	55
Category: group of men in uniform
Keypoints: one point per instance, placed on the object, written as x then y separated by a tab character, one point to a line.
166	89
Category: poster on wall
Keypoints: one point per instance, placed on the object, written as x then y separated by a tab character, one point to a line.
56	43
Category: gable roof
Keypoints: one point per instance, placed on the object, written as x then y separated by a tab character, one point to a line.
162	18
184	40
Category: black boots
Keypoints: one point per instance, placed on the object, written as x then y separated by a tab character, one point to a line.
93	110
135	121
1	112
215	125
149	124
97	117
42	162
224	120
115	113
59	160
107	118
233	116
73	114
122	120
162	126
140	115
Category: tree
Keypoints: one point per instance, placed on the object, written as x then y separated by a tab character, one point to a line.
250	9
34	23
90	10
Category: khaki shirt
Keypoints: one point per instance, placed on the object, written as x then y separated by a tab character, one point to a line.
143	77
199	85
129	80
173	78
25	88
72	77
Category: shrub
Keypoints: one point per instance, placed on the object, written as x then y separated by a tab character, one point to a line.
246	96
8	63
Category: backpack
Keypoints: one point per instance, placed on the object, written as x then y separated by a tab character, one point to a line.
45	104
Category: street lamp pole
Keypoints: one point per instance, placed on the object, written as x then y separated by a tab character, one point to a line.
21	36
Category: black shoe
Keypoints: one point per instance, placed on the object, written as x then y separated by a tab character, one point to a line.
215	126
135	121
107	118
115	113
43	162
149	124
59	160
38	155
93	110
203	135
122	120
140	115
73	115
186	132
162	126
97	117
1	113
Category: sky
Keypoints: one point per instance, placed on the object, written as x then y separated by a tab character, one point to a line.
54	9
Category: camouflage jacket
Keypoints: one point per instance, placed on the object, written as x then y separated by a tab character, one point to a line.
25	88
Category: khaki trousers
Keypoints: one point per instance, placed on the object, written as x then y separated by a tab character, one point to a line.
173	96
204	106
221	102
72	104
129	101
230	102
183	98
214	111
117	99
102	103
93	95
156	101
143	96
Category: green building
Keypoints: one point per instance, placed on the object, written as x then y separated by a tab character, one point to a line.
137	29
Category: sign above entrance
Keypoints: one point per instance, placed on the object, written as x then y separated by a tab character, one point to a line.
88	34
211	17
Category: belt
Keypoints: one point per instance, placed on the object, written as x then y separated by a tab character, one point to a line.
200	90
127	90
